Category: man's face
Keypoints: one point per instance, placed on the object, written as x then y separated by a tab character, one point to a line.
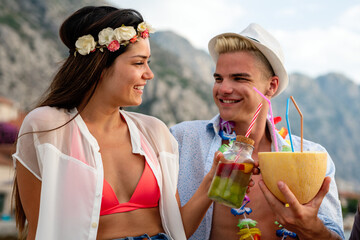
235	76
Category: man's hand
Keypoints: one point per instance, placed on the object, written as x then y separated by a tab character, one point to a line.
298	218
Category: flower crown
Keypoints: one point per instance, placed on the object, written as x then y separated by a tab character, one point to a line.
112	39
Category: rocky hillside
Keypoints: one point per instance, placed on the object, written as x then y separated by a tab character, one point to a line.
30	53
30	49
330	105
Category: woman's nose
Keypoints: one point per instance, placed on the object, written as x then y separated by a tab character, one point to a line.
148	74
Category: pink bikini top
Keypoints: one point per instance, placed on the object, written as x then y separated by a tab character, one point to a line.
146	195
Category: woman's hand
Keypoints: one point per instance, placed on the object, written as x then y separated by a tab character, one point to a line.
217	157
256	169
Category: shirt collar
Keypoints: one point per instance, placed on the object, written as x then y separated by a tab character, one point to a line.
134	133
214	124
83	128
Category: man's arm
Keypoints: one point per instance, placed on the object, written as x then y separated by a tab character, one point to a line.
301	219
355	232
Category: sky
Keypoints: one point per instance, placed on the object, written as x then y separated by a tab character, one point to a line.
317	36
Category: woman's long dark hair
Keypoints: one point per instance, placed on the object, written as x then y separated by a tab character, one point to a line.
78	77
80	74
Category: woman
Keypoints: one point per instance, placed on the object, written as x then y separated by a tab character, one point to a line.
84	168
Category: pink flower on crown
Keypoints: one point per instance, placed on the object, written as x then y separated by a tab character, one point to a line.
134	39
112	39
113	46
145	34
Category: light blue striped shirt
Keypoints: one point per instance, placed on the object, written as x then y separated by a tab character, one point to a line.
198	142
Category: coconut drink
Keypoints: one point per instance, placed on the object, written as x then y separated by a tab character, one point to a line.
303	172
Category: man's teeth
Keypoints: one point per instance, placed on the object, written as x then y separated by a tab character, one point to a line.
228	101
139	87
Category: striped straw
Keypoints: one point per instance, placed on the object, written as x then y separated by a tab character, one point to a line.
249	129
253	120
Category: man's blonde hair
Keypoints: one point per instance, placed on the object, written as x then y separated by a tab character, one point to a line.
227	44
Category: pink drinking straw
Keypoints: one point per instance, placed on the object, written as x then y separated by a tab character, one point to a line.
253	120
250	127
272	118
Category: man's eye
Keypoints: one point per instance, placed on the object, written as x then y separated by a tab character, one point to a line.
240	79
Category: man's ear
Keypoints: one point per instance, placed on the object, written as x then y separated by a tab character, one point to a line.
272	86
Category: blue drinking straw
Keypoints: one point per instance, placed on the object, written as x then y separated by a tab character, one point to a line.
288	124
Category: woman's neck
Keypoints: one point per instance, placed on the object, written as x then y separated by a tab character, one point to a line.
102	118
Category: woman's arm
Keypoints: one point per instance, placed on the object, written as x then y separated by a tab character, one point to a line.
29	189
195	209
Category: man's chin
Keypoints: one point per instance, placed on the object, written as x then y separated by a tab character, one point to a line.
226	117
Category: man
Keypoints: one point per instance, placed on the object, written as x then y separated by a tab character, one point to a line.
355	232
251	59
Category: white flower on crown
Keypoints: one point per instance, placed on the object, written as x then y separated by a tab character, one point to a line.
124	33
142	27
112	39
85	44
106	36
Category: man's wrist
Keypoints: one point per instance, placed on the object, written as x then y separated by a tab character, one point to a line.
318	231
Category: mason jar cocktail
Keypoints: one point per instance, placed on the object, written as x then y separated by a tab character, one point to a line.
233	174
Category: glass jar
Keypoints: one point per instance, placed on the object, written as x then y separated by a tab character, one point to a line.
233	173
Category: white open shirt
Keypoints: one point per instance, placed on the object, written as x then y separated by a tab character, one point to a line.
68	163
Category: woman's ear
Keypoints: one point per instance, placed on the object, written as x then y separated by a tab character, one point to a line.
273	86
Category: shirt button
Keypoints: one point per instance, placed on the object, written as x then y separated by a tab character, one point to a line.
94	225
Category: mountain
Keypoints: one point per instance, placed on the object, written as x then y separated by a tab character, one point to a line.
197	63
30	49
30	53
330	105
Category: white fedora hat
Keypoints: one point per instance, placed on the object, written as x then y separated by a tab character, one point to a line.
267	45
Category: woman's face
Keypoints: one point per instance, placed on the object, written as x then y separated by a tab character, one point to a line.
122	84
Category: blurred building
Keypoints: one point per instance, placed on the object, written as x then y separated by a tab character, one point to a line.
10	121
